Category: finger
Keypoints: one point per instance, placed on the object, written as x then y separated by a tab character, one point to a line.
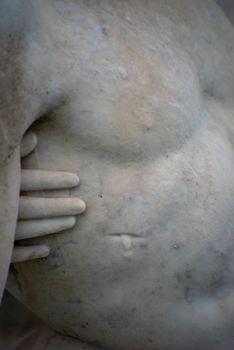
35	228
25	253
28	143
36	208
36	180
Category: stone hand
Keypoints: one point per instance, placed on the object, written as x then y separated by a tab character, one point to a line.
40	216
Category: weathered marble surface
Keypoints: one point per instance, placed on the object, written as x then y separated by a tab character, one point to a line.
138	101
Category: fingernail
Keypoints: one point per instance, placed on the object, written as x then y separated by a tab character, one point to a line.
82	206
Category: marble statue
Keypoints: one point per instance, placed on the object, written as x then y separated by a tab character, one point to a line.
137	99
